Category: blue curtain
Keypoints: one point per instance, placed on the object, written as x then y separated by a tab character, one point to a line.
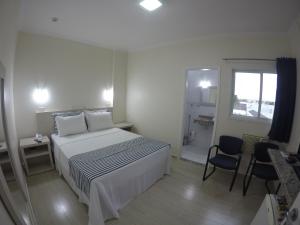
285	99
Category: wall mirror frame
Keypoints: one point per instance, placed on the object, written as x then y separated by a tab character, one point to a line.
6	196
209	96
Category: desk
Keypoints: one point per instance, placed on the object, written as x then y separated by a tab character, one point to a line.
290	183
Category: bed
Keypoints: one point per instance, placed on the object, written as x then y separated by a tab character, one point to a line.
118	186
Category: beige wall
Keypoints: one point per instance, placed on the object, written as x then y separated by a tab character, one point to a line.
156	83
75	75
119	84
295	41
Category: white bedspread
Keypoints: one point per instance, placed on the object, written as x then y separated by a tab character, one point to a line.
112	191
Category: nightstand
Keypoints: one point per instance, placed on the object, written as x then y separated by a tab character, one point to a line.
124	126
37	156
5	162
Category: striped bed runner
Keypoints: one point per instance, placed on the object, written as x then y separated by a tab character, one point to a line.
90	165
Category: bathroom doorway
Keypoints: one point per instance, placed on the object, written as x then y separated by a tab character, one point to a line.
200	109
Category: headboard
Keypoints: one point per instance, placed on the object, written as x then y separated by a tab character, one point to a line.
45	122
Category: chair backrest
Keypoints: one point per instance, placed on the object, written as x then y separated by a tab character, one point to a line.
261	151
230	145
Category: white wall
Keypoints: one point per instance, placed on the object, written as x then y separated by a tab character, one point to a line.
75	75
156	83
295	41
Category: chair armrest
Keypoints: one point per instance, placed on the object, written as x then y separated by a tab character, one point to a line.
211	148
253	159
249	166
239	157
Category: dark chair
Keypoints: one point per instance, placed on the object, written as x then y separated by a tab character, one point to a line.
260	167
232	147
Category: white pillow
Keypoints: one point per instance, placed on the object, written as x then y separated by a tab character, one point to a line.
67	125
98	120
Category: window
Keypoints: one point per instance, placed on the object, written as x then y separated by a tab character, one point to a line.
254	94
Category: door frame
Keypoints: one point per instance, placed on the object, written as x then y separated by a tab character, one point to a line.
184	103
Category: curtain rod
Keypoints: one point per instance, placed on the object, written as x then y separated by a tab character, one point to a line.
249	59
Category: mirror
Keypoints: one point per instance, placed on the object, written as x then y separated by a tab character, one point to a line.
5	159
11	193
209	96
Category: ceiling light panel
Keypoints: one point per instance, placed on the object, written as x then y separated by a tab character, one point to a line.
150	5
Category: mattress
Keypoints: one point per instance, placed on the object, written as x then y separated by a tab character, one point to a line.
110	192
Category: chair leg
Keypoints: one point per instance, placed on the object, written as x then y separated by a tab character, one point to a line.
278	187
268	189
211	173
235	173
233	180
204	174
205	170
266	184
206	165
245	187
245	179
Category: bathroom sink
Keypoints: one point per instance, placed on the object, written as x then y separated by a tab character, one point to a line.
204	120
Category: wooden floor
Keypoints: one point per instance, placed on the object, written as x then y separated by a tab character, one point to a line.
179	199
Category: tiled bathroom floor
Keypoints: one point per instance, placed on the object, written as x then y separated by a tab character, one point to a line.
194	153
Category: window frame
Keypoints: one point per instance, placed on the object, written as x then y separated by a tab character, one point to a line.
250	118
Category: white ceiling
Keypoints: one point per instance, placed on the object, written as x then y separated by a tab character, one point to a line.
124	24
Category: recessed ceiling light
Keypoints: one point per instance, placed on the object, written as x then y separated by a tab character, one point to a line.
205	69
150	5
54	19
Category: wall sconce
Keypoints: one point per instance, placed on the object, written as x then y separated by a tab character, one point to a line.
204	84
108	96
41	96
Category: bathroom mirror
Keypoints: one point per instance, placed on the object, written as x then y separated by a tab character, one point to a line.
209	96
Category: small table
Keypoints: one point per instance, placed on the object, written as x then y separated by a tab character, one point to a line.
124	126
32	153
289	180
5	162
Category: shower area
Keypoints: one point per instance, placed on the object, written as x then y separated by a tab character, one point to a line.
200	111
